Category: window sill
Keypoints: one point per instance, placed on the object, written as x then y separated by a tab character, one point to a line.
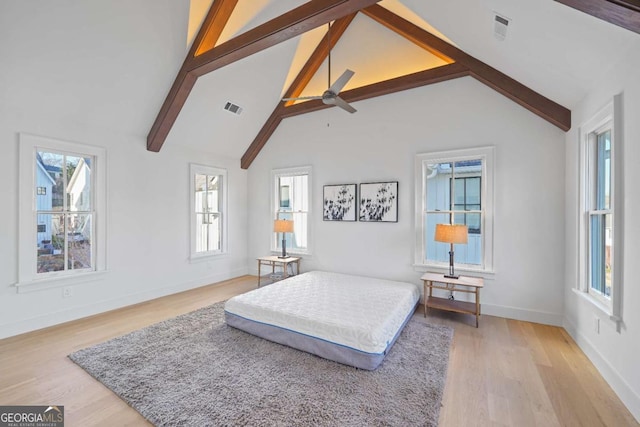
485	274
198	258
602	308
58	281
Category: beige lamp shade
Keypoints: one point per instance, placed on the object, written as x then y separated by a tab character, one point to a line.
283	226
451	233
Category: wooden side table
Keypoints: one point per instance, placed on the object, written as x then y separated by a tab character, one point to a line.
465	284
284	262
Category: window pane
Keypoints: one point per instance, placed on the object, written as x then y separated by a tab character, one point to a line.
437	189
603	186
79	184
436	251
472	191
79	241
600	256
200	183
459	192
51	243
213	193
49	176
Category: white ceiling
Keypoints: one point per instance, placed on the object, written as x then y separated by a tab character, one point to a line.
553	49
110	63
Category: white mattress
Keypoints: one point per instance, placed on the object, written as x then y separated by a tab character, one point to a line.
357	312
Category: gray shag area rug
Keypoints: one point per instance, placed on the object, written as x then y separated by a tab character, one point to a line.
194	370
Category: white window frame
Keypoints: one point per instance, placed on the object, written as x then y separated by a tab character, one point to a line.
486	154
28	278
195	169
608	118
276	174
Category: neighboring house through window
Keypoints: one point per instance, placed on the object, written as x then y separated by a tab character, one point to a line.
455	187
208	211
62	200
290	199
601	227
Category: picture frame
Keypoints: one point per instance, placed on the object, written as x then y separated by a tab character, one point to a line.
340	202
378	202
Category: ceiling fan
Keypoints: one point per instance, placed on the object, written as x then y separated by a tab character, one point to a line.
330	96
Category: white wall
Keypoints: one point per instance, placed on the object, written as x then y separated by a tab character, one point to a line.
379	143
615	353
95	73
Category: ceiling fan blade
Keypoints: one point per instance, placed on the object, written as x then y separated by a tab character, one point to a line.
343	104
337	86
301	98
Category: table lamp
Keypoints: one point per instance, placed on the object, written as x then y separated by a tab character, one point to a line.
283	226
452	234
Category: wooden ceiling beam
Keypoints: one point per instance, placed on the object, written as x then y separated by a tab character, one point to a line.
207	36
297	21
317	57
509	87
213	25
263	136
386	87
624	13
410	81
308	70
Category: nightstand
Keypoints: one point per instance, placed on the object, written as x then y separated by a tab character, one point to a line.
283	262
467	284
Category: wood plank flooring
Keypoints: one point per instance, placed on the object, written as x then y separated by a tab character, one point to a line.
505	373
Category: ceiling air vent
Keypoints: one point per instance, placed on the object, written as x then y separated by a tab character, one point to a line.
500	25
233	108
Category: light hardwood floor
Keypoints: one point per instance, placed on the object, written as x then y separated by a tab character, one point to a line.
505	373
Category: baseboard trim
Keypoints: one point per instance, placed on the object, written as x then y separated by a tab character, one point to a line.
627	395
51	319
526	315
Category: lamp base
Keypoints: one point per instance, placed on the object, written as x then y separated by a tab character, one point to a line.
451	277
283	257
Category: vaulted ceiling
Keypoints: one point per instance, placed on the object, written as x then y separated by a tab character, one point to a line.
253	56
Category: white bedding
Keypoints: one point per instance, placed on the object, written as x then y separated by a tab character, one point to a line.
357	312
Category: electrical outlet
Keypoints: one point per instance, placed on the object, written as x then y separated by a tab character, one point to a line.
67	291
596	324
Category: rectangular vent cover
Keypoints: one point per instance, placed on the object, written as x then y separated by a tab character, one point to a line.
233	108
500	25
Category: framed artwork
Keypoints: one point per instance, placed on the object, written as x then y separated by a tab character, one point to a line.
379	202
340	202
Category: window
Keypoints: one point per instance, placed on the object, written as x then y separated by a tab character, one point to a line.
208	211
455	187
600	218
62	202
291	189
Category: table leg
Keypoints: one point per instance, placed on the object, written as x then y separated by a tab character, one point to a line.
285	271
424	291
477	306
259	272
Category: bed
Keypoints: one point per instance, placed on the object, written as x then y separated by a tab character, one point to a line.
353	320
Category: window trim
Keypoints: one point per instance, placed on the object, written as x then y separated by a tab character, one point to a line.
609	117
207	170
275	175
28	278
487	155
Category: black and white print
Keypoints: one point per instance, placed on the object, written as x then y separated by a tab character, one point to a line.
340	202
379	202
